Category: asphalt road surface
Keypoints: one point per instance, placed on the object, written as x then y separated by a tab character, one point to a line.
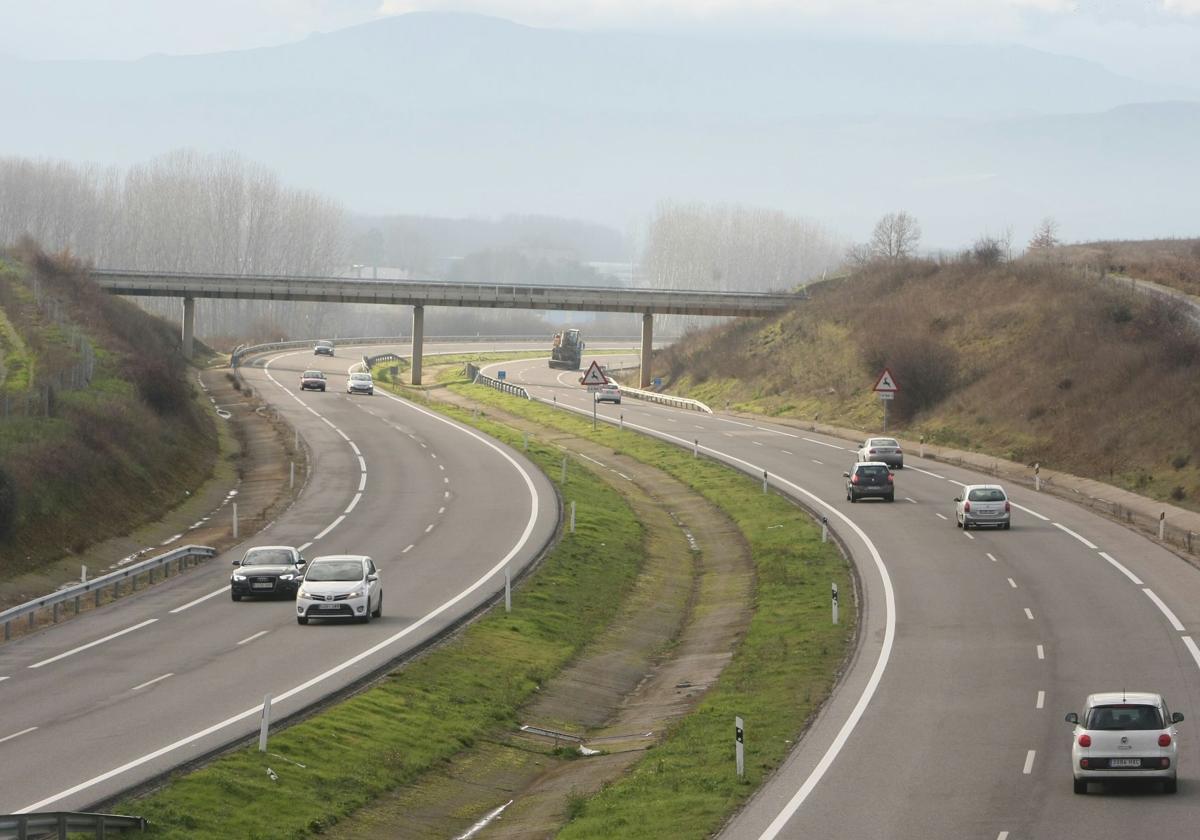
974	646
99	703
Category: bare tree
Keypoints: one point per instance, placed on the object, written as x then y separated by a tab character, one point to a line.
895	237
1046	235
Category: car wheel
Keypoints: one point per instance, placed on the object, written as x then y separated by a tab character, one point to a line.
900	466
957	522
853	498
1006	525
1170	786
1081	786
301	620
322	389
891	498
378	610
235	596
366	617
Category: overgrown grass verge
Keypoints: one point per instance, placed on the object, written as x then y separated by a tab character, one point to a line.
784	669
16	364
418	718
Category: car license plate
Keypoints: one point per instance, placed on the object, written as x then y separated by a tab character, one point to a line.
1124	762
328	606
262	586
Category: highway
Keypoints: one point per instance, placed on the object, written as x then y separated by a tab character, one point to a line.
97	704
949	722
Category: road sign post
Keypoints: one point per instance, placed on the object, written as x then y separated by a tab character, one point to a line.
886	388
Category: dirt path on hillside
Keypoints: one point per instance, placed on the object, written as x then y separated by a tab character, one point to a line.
675	633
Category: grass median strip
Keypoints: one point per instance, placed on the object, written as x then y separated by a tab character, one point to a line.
785	667
419	717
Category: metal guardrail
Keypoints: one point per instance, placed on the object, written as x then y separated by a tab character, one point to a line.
58	824
500	385
664	399
182	556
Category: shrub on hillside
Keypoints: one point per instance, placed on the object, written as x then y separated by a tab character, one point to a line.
922	366
8	505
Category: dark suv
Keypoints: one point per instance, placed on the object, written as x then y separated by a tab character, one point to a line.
870	478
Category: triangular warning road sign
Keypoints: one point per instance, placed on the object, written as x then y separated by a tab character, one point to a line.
886	382
594	375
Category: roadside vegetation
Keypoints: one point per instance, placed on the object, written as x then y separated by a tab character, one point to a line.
470	689
1174	263
1024	360
100	429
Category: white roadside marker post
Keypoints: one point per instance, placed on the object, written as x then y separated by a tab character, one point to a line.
1037	477
835	603
83	574
922	446
739	745
1162	525
764	481
824	529
564	470
265	725
291	475
696	448
572	517
622	422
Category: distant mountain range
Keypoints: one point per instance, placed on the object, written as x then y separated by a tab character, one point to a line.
461	115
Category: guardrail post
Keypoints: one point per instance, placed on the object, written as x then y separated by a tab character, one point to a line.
55	617
96	597
30	622
7	630
116	589
133	582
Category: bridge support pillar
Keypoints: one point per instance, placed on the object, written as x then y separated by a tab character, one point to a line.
418	340
647	345
189	326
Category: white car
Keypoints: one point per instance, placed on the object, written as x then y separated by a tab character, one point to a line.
340	586
360	383
1125	735
609	393
884	449
982	504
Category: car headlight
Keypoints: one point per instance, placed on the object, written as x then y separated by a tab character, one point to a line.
302	594
239	578
287	577
357	593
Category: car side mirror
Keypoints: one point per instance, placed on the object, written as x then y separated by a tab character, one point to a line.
958	498
237	562
1072	718
845	475
372	578
1177	717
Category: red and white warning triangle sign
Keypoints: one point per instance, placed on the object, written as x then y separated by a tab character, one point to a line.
594	375
886	382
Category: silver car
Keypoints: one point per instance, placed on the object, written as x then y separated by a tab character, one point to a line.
609	393
360	383
340	586
1125	735
884	449
982	504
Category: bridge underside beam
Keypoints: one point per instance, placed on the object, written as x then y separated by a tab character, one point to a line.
647	348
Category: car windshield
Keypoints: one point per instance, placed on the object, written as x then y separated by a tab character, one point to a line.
268	557
361	376
324	343
873	471
986	494
313	374
335	570
1124	716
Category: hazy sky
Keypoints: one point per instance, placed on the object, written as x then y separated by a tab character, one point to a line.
1156	40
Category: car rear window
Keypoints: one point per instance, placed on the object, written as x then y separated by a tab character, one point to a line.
267	557
884	442
989	494
335	570
1124	716
873	471
360	376
313	374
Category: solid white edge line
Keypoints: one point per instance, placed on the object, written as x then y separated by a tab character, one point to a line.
1121	568
304	547
1029	762
353	502
1003	835
92	644
362	482
1041	700
1079	537
1027	510
1179	628
362	464
17	734
255	636
889	600
151	682
330	527
925	472
1191	646
354	660
204	598
589	458
354	446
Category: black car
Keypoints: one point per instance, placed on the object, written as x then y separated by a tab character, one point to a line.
323	348
267	570
870	478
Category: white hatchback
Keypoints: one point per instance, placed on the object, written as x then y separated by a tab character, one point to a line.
982	504
1125	735
340	586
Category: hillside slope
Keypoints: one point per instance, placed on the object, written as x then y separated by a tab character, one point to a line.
107	433
1029	362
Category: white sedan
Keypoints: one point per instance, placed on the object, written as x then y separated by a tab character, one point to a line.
340	586
1125	735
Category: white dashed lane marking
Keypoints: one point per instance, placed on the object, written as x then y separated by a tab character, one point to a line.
1179	628
149	683
1041	652
17	734
1079	537
1121	568
1041	700
1029	762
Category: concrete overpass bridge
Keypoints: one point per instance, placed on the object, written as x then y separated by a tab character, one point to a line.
418	295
